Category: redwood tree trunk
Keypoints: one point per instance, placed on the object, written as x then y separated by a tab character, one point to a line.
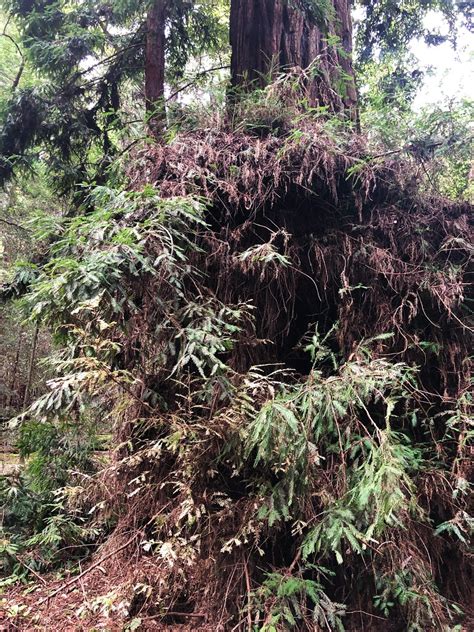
155	66
268	36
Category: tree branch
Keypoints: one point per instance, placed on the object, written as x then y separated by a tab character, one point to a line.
411	148
196	77
14	224
18	75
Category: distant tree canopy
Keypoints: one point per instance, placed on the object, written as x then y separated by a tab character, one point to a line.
90	53
389	26
94	56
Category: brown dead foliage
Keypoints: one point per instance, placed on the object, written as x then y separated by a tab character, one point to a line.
367	247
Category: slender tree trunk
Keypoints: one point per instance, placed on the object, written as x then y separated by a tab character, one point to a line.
15	368
268	36
155	67
31	367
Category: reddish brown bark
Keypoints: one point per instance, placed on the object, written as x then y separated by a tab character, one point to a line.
268	36
155	66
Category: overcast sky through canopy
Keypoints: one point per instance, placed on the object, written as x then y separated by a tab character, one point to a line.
452	72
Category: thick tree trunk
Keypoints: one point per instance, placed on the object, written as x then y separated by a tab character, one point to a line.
268	36
155	66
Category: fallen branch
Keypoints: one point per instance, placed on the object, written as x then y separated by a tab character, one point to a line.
88	570
72	581
33	572
170	613
13	224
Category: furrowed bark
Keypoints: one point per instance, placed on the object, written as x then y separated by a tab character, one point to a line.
268	36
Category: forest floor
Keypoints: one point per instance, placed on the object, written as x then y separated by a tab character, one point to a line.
92	602
9	463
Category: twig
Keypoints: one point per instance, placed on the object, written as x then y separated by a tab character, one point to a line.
88	570
294	562
369	614
31	570
82	586
171	613
13	224
14	43
196	77
19	73
101	561
249	593
6	24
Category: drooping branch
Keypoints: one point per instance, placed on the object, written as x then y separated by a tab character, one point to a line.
21	68
195	79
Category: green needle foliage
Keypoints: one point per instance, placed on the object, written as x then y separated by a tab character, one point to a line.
90	60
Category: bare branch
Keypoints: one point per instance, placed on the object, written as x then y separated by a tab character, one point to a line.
19	73
14	224
198	76
9	37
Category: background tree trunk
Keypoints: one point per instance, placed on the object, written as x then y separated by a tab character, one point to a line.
31	367
155	66
15	369
267	36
